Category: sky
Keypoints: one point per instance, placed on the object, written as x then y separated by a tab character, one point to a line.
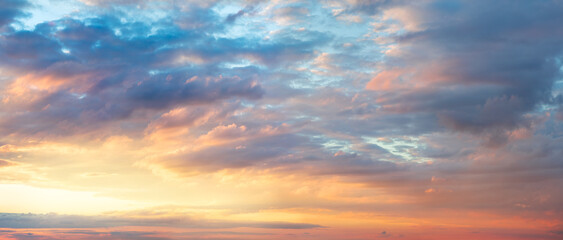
296	119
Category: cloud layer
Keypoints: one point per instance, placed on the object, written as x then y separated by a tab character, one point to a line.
438	114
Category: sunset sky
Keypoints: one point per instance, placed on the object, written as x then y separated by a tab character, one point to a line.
296	119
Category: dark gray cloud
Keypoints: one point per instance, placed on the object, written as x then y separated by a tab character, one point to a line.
484	69
10	10
369	7
52	220
16	220
46	234
260	150
28	50
233	17
102	69
83	234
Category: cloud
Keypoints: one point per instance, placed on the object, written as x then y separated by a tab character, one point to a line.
126	234
421	108
101	79
473	75
362	6
91	73
233	17
290	14
82	234
5	163
52	220
252	152
10	10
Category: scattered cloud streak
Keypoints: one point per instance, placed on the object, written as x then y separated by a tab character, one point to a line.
52	220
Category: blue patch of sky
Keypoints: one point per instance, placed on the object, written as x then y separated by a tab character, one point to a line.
260	28
48	10
399	147
335	145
